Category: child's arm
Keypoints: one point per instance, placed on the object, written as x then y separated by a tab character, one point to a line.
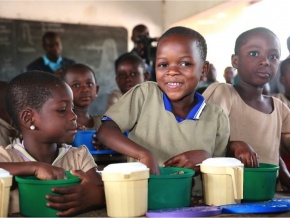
284	175
88	195
40	170
244	152
188	159
111	135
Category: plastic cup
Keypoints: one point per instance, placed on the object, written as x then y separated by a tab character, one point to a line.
5	184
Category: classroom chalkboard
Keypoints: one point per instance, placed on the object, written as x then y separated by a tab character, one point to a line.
97	46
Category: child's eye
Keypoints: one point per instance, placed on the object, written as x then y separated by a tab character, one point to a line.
90	84
274	57
62	110
162	65
76	85
254	53
184	64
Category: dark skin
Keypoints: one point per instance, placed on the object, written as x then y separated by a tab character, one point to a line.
257	63
178	70
55	123
85	89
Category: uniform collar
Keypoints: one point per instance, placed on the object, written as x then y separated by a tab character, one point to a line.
194	113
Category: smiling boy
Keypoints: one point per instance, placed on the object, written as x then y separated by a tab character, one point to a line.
169	123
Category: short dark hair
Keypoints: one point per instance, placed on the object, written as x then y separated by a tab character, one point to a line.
49	34
132	58
243	37
184	31
283	66
77	66
30	89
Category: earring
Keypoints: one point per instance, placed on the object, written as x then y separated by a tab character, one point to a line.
32	127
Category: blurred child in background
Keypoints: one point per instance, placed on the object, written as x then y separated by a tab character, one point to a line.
130	71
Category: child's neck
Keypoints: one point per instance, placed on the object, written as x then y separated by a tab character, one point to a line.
83	117
182	108
253	97
45	153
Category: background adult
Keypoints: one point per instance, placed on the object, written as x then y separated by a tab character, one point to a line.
143	48
51	61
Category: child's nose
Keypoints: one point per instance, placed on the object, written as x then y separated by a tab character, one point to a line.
264	60
173	70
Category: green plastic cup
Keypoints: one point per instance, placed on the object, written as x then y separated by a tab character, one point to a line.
32	192
260	183
170	189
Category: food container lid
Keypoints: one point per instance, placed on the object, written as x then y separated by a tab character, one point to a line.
125	168
222	162
4	173
198	211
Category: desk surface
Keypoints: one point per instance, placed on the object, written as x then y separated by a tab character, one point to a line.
103	212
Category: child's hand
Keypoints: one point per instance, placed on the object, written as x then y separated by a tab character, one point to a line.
78	198
188	159
48	172
81	127
97	144
150	161
244	152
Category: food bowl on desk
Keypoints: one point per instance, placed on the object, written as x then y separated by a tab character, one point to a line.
170	189
260	183
32	192
85	137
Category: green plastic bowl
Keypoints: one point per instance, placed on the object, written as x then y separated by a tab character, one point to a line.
260	183
170	190
32	193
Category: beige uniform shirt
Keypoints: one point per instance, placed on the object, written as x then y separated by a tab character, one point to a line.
262	131
74	159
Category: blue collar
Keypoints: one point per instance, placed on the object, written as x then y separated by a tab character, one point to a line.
194	113
54	66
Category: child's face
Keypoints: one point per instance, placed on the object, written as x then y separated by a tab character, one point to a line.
129	74
82	83
258	60
179	66
56	121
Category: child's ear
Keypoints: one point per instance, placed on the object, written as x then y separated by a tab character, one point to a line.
146	76
26	118
97	89
205	69
235	61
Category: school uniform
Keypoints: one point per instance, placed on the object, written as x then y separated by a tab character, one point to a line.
260	130
69	158
146	111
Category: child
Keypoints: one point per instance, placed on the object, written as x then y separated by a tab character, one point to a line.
82	81
130	71
40	105
169	123
256	120
285	81
8	133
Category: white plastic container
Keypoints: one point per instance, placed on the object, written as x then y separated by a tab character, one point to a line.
222	180
5	184
126	189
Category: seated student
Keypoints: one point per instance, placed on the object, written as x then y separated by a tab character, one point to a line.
256	120
8	133
170	124
285	97
81	78
210	78
41	107
229	74
130	71
52	61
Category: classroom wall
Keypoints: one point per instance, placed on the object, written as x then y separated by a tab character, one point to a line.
157	15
